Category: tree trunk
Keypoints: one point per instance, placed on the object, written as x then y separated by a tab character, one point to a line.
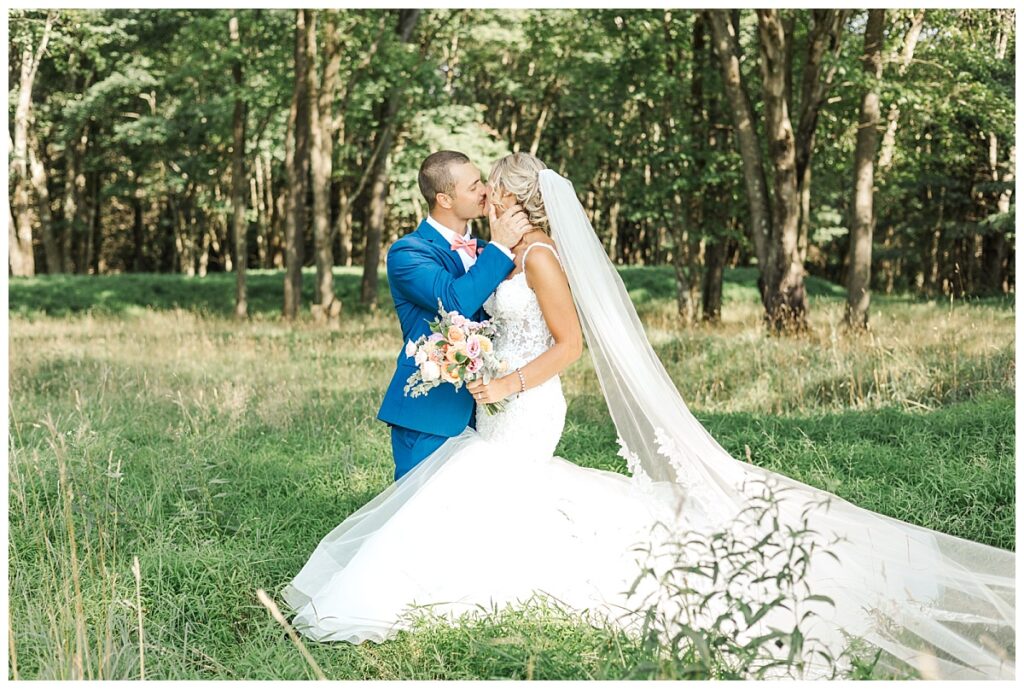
615	249
239	223
206	235
727	49
278	249
374	228
76	229
887	266
51	250
344	196
714	272
719	212
858	295
174	205
21	255
256	203
379	185
783	275
138	231
187	243
545	112
220	231
886	156
342	224
788	19
994	243
327	306
994	247
826	34
296	162
166	236
259	200
94	237
275	242
934	266
688	215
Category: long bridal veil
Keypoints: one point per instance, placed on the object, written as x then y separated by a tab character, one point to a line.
941	604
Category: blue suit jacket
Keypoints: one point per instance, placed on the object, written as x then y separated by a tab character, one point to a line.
422	268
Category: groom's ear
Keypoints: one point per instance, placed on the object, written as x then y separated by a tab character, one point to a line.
443	200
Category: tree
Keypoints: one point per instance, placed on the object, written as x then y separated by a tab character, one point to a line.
858	297
783	274
130	158
779	221
379	177
826	35
726	46
21	257
239	182
994	245
40	185
887	153
297	165
327	306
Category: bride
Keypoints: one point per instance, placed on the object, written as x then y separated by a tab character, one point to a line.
493	517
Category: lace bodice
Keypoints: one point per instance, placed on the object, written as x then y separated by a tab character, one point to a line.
523	332
523	335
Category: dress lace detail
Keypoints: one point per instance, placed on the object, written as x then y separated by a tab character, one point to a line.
523	335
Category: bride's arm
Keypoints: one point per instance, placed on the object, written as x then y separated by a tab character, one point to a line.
545	275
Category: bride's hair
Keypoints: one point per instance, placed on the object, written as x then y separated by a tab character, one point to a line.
517	174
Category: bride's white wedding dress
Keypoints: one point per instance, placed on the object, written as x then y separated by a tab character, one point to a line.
494	522
493	516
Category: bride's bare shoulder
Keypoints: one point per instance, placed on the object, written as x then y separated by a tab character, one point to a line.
529	239
537	237
543	265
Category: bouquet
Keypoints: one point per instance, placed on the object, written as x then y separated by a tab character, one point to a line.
457	351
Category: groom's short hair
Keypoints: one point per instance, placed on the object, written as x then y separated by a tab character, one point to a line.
436	176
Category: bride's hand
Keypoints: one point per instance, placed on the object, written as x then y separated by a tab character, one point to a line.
495	391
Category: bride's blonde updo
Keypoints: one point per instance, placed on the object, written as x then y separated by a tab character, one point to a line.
517	174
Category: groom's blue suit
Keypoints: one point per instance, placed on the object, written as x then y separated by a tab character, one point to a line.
423	268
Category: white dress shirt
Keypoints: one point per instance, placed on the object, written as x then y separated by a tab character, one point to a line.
464	254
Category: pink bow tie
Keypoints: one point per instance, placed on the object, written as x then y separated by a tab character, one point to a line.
463	243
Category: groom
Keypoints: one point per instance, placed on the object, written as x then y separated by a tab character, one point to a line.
441	260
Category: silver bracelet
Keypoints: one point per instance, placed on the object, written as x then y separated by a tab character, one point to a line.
522	381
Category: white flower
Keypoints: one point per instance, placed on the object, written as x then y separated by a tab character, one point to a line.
430	371
421	356
410	348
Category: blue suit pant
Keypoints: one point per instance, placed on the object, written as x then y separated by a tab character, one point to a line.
411	447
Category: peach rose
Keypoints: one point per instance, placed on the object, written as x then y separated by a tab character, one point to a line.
455	335
449	376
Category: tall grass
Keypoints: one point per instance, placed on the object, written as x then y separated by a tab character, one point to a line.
166	463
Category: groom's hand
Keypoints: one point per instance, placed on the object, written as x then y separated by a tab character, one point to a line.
510	227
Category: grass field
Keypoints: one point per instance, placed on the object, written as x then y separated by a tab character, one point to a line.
146	423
